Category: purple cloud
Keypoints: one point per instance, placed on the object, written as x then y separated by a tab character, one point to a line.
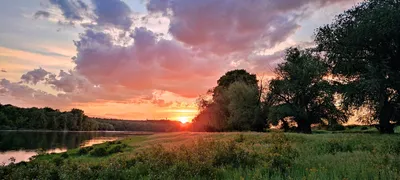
34	76
73	10
113	12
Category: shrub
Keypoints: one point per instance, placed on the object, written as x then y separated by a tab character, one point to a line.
364	128
336	127
99	151
110	143
115	149
82	151
64	155
85	150
58	161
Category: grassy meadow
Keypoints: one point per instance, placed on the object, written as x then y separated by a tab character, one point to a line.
189	155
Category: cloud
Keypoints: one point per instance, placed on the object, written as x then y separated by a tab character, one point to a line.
149	63
229	25
71	88
98	14
69	82
72	10
161	103
34	76
113	12
43	14
24	93
266	63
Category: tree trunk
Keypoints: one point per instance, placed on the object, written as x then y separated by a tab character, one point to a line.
385	115
304	127
285	125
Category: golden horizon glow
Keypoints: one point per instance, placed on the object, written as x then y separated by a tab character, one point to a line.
183	119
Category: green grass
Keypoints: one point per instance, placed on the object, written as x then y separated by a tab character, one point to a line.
225	156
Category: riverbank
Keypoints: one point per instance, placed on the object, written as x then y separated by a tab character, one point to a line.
20	146
50	131
223	156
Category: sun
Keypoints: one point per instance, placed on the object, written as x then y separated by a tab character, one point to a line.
183	120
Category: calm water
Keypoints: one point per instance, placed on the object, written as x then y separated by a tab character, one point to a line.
23	145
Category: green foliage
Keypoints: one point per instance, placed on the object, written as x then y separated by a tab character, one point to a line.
334	146
99	151
243	107
336	127
102	150
64	155
116	149
84	150
235	105
12	117
362	48
240	75
58	161
142	125
229	156
301	93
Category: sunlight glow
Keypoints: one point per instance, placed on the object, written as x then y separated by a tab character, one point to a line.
183	119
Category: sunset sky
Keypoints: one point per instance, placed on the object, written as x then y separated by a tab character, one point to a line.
144	59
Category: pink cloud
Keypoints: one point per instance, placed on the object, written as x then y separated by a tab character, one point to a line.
227	26
121	62
147	64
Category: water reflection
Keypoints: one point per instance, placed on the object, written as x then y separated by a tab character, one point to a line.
23	145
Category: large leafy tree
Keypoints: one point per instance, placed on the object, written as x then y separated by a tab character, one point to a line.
362	46
300	92
244	107
235	104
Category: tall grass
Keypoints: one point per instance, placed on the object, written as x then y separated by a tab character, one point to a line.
226	156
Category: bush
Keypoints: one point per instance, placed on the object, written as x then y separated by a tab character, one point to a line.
115	149
64	155
99	152
336	127
84	151
58	161
364	128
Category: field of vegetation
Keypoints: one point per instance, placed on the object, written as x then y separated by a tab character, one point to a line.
185	155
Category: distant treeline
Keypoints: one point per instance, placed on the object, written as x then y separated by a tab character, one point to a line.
16	118
145	125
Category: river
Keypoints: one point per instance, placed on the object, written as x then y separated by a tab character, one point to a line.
22	145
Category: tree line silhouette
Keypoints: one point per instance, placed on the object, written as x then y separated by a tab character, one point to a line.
16	118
